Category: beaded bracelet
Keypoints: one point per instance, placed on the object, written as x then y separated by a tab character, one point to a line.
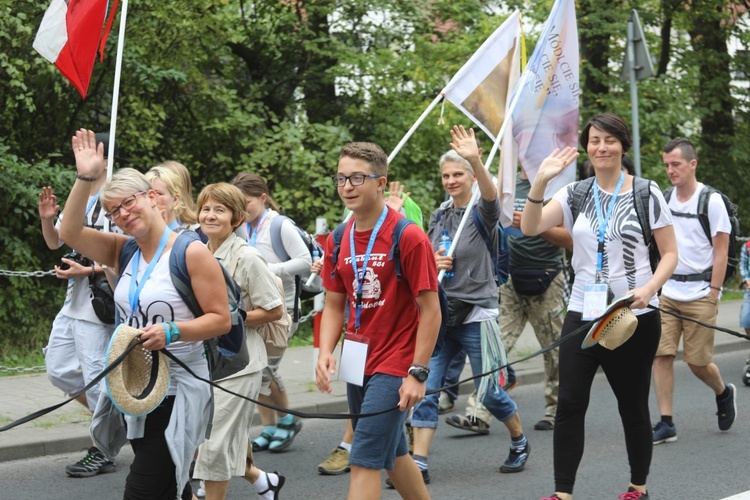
84	178
532	200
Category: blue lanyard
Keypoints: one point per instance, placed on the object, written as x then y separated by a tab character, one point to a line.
360	275
174	225
134	292
91	203
604	221
254	232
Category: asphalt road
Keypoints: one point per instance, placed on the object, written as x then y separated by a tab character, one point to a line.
703	464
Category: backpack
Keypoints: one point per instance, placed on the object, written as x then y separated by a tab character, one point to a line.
641	194
702	216
394	255
500	254
226	354
302	290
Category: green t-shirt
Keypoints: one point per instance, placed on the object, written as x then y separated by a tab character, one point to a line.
530	252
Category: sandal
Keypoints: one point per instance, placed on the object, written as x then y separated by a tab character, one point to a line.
273	488
469	424
259	446
283	443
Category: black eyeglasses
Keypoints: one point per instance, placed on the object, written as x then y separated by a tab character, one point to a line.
354	179
127	204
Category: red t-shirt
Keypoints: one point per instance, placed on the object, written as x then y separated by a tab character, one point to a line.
389	316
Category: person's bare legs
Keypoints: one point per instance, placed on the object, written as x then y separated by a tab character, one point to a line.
277	398
216	490
348	433
709	375
405	476
422	440
514	426
664	383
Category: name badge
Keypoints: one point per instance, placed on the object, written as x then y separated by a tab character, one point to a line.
595	297
353	359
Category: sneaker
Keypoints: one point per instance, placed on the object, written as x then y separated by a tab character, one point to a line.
516	460
445	403
545	424
664	433
425	478
92	464
727	409
201	491
336	463
633	494
553	497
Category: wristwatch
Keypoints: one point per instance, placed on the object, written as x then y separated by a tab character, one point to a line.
419	372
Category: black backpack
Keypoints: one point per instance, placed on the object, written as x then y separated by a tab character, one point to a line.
395	256
702	216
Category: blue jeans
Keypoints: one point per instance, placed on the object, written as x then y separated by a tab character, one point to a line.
745	311
468	338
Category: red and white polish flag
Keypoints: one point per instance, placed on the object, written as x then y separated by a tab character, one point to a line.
69	37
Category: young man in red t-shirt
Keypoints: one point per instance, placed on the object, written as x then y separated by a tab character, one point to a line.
392	328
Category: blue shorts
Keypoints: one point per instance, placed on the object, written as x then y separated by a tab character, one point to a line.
745	311
380	439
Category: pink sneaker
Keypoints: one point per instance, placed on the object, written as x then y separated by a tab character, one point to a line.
632	494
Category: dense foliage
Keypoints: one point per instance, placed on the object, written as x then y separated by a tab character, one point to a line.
276	87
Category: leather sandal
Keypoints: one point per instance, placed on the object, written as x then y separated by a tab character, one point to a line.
292	431
259	447
468	424
273	488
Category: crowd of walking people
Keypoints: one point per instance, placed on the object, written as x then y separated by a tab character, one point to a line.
404	334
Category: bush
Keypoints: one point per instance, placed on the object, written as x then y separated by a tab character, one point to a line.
28	304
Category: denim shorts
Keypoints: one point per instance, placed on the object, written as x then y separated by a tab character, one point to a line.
380	439
745	311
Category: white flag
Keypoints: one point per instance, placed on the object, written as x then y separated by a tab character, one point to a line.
545	115
482	90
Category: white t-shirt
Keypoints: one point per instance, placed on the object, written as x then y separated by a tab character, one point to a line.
695	251
299	261
78	295
626	261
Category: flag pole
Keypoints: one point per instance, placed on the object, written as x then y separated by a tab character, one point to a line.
116	90
415	126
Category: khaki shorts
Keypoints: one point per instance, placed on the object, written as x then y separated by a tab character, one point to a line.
698	341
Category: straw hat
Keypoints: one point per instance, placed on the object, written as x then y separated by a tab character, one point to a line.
138	384
615	327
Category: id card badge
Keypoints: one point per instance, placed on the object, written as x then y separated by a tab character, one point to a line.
353	359
595	301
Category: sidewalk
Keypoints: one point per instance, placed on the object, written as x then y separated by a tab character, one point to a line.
66	429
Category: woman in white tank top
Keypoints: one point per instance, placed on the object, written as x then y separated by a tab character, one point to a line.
162	459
